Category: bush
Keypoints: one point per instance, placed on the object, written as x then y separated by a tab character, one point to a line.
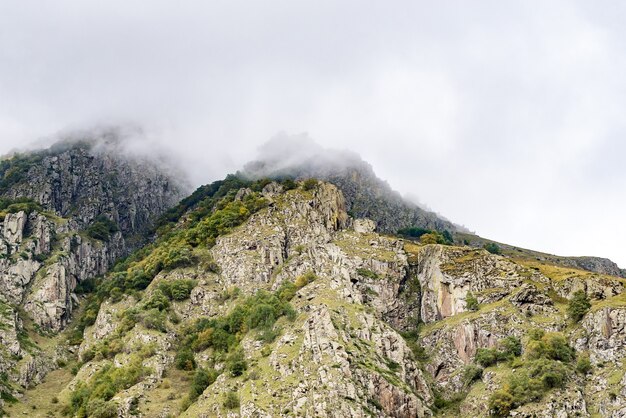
154	319
309	184
511	346
413	232
102	228
583	365
471	373
486	357
97	408
231	400
551	346
236	363
493	248
545	367
501	403
471	303
202	379
578	306
91	399
185	360
306	278
158	300
177	289
367	273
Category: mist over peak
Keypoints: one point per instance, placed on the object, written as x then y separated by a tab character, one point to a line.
301	156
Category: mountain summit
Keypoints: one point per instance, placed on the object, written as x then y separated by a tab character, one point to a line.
366	195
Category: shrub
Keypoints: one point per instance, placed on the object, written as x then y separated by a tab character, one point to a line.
185	360
202	379
510	346
431	238
97	408
102	228
288	184
177	289
486	357
493	248
471	373
471	303
261	316
306	278
309	184
236	363
231	400
367	273
154	319
501	403
578	306
552	346
91	399
583	365
413	232
158	300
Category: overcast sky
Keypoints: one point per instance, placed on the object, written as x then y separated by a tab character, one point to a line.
507	117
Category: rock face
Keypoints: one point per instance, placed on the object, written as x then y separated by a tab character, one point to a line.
374	326
83	182
45	243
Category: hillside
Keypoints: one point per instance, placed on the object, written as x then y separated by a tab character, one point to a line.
261	298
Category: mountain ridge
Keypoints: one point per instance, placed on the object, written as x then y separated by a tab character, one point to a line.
260	297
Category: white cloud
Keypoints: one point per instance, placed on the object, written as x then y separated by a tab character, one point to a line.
506	117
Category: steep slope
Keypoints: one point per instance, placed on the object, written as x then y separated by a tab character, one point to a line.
264	300
66	215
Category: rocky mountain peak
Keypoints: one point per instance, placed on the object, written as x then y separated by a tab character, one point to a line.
366	194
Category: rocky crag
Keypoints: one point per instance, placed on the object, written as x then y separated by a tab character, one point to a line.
271	299
68	214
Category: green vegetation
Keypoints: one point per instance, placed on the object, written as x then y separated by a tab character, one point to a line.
102	228
493	248
508	348
231	400
471	303
471	373
427	236
223	334
177	289
18	205
367	273
578	306
547	365
14	170
93	398
309	184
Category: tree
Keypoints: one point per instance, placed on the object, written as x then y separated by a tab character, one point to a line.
493	248
578	306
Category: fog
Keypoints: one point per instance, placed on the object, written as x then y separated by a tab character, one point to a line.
504	117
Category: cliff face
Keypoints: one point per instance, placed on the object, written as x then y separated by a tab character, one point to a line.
267	299
82	181
67	216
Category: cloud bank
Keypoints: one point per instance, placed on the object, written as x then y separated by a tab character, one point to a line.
505	117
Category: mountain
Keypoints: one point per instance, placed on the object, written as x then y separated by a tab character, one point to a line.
367	196
264	296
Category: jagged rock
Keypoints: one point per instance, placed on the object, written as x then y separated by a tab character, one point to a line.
364	226
605	334
447	274
14	224
530	300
